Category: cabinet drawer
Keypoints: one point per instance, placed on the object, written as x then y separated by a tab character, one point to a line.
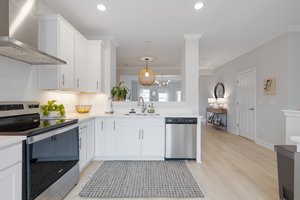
141	122
82	127
10	155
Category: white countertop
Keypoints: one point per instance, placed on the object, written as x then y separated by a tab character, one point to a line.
10	140
85	117
297	140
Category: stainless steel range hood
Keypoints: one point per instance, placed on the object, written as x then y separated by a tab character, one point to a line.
19	33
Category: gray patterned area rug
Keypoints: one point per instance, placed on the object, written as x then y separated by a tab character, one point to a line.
142	179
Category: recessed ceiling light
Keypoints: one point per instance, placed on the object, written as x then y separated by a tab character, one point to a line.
101	7
198	5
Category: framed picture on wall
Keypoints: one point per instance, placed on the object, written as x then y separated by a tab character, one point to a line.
270	86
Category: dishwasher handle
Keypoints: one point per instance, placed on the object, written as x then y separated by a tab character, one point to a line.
181	120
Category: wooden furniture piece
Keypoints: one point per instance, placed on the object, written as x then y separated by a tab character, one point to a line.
217	117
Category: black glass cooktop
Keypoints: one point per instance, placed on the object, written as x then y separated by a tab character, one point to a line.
29	125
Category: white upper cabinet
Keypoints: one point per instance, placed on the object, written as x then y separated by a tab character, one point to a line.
65	51
80	62
95	57
58	37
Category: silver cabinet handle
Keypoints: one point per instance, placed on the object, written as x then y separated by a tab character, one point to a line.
140	137
102	125
142	134
79	143
97	85
83	127
77	82
114	125
63	80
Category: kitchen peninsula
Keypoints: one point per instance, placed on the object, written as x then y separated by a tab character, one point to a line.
121	136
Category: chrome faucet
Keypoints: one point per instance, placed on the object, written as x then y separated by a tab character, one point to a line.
144	107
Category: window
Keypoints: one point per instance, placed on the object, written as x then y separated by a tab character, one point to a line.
178	96
145	93
163	96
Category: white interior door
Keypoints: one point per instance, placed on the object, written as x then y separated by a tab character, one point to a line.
246	104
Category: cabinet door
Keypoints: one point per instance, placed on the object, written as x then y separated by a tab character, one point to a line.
99	137
94	65
90	152
66	52
110	137
11	182
153	141
82	148
128	141
80	62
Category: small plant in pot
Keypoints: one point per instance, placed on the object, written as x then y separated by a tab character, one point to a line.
119	92
51	109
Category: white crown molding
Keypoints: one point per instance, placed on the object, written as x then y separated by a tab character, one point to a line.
153	67
207	68
113	39
192	36
231	58
294	28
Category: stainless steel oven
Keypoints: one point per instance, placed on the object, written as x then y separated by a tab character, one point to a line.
50	157
50	151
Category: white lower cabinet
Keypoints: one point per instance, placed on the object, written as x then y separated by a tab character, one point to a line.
128	141
99	137
86	143
11	172
153	141
90	152
130	138
82	145
105	137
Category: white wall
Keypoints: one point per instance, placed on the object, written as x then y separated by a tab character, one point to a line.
18	82
270	60
206	90
294	69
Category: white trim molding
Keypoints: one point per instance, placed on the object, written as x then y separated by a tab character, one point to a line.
192	36
294	28
264	144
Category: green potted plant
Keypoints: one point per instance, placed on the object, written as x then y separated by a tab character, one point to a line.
119	92
51	109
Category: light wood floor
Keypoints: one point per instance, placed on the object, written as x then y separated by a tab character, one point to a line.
233	168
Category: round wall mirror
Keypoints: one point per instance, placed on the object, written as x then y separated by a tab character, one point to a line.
219	90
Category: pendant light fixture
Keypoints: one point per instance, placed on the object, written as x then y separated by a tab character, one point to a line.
162	82
146	75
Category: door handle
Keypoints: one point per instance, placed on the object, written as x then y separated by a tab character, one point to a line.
102	125
251	108
139	133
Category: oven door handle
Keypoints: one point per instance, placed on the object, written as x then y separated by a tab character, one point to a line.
48	134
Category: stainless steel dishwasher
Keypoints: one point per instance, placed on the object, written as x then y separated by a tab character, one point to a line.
181	138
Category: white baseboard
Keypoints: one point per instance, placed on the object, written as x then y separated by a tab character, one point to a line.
264	144
231	130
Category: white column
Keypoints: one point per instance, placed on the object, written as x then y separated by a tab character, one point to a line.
191	71
293	67
110	65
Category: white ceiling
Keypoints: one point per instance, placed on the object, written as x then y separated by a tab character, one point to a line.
230	27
